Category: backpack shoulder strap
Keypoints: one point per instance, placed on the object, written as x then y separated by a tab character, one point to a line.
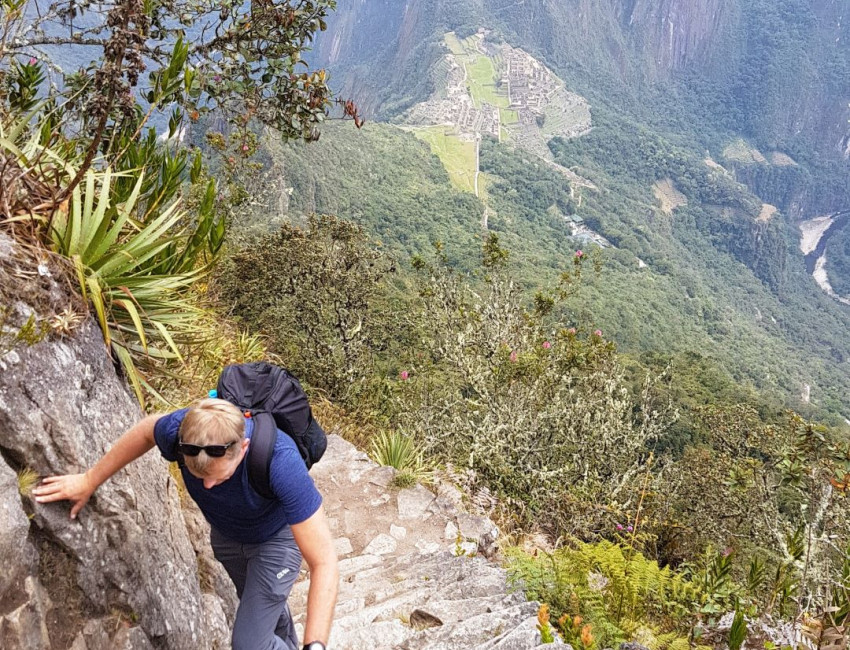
260	454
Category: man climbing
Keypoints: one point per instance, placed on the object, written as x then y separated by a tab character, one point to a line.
260	541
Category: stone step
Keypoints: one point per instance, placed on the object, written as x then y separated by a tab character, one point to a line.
454	611
475	631
383	635
403	585
399	606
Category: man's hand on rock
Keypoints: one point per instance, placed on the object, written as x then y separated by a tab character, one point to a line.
76	488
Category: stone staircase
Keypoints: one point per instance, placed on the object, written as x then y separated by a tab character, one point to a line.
413	566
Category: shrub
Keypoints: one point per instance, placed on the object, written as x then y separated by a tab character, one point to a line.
538	410
136	252
774	492
312	292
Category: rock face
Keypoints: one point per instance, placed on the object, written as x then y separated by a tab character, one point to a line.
677	33
124	573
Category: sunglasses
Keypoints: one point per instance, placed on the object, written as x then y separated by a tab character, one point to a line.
213	451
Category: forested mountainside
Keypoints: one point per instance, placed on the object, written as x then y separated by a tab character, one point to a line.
673	290
715	131
776	70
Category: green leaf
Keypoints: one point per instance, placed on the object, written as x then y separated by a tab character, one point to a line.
738	631
75	222
99	307
134	315
132	372
166	336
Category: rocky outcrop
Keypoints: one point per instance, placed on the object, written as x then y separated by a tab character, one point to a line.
122	575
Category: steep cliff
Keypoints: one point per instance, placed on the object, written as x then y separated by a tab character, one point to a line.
674	35
124	574
379	52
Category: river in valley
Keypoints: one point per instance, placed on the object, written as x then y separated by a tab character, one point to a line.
815	233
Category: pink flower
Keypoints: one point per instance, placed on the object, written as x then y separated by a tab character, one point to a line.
727	551
579	253
546	345
32	61
619	526
513	356
217	78
597	333
629	528
245	147
571	331
404	375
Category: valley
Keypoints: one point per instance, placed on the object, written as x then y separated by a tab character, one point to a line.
669	143
816	234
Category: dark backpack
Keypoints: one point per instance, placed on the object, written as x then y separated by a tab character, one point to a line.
274	399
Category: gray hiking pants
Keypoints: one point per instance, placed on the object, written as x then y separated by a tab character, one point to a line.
263	575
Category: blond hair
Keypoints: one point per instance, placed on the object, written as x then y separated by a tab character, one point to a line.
211	422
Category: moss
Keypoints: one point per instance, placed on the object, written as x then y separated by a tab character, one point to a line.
33	331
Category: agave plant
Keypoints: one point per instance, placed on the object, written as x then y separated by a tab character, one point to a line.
395	449
137	268
136	251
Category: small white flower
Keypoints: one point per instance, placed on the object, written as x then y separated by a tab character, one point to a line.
596	581
43	270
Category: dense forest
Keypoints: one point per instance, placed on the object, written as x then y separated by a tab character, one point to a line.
717	283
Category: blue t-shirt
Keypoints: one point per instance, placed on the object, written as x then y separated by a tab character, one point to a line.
233	507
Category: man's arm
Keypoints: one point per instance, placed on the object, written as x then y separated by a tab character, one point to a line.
78	488
316	543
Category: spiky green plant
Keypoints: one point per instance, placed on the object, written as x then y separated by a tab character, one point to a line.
250	347
136	252
738	631
27	480
394	449
136	268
